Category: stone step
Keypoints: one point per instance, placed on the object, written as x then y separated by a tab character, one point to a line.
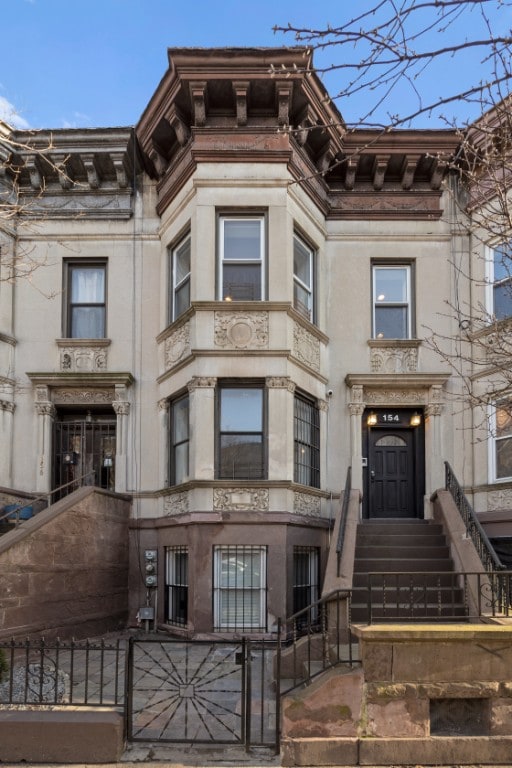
385	565
391	612
445	578
397	552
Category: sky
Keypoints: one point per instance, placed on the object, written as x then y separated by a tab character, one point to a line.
88	63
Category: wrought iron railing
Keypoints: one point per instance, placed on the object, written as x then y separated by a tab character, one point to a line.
474	530
444	597
67	673
343	519
15	511
314	639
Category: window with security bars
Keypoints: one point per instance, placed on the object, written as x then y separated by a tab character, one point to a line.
306	580
176	583
240	588
306	442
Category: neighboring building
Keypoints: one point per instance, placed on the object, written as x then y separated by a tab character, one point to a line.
222	298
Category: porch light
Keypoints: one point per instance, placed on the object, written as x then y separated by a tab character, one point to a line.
372	419
415	419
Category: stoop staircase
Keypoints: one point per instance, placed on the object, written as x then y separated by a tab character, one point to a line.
412	573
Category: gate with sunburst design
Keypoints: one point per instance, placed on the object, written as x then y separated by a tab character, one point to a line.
201	692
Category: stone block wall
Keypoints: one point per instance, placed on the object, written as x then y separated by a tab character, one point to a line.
429	694
64	572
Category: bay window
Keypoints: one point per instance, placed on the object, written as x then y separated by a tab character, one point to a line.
180	278
241	435
503	440
303	276
306	441
501	281
180	434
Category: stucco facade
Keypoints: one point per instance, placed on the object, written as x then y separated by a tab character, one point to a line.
202	328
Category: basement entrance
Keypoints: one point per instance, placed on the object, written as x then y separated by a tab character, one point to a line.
394	475
84	450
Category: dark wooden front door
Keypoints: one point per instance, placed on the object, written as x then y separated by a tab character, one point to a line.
392	474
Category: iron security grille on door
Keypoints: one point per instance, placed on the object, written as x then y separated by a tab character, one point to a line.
85	447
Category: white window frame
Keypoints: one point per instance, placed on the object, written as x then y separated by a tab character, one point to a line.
407	303
491	283
308	289
220	590
76	264
175	444
494	439
177	285
260	218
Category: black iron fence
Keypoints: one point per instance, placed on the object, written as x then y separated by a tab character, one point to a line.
314	639
474	530
400	597
41	672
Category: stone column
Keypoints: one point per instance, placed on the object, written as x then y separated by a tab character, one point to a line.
434	451
122	409
280	390
163	440
6	436
45	411
356	409
202	420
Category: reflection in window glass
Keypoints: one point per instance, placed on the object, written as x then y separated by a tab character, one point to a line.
503	440
391	302
241	258
241	444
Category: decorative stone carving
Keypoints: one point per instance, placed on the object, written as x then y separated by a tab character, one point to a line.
198	97
176	504
202	381
45	409
356	409
356	393
163	405
280	382
83	359
306	504
7	405
501	499
42	394
88	396
306	347
322	405
251	499
394	359
177	346
241	330
121	408
434	409
395	396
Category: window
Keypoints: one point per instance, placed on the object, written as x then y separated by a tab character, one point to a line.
306	442
180	434
86	300
392	302
501	280
240	586
241	248
241	445
306	579
180	278
176	583
503	440
303	275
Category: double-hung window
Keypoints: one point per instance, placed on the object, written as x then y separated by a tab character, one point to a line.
180	434
241	258
86	296
306	442
501	279
241	434
303	278
392	302
240	588
176	582
503	440
180	278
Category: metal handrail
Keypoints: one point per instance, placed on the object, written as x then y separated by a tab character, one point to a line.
474	530
343	518
44	496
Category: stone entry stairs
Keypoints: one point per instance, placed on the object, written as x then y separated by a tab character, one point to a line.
417	580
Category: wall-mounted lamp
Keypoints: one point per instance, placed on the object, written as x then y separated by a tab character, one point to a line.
372	419
415	419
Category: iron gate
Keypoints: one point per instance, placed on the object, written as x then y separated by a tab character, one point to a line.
85	447
202	692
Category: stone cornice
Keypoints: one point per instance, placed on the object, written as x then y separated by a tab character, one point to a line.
397	380
82	379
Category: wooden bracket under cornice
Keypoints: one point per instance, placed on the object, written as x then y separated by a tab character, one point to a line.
241	91
198	96
284	91
179	125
